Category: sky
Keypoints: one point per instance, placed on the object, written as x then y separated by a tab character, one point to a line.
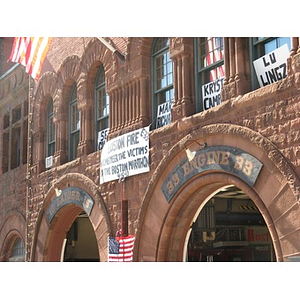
149	18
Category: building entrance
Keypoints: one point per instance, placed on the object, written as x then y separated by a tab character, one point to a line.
80	244
230	228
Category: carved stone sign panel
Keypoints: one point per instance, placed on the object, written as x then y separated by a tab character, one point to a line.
220	158
70	195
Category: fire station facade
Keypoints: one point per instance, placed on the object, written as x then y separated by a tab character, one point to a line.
224	157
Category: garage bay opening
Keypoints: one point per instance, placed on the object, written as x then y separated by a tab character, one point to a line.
230	228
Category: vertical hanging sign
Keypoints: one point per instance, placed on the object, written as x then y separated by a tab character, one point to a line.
211	93
102	137
125	155
164	114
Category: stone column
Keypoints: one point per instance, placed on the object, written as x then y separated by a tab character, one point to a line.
181	53
87	121
61	130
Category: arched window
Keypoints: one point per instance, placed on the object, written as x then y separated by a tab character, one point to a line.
210	71
74	123
101	107
162	81
260	46
50	130
17	250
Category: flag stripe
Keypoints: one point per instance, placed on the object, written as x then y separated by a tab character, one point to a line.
121	249
41	52
214	54
31	53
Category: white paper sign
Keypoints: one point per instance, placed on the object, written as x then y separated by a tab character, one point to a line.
164	114
272	67
211	93
102	137
125	155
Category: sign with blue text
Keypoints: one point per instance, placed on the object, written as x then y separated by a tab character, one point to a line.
125	155
272	67
71	195
216	158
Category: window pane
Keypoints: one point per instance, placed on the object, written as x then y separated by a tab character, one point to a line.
102	124
211	51
100	77
101	102
51	129
161	44
164	96
75	120
74	143
164	71
284	40
51	149
266	45
270	46
74	123
18	248
162	75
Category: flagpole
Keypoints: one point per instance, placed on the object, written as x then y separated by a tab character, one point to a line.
121	180
122	217
29	163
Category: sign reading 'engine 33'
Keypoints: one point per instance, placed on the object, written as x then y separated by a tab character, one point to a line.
221	158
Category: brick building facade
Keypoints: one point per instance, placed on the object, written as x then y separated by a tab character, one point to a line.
237	200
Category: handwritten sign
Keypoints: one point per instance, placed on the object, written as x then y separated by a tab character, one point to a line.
272	67
125	155
221	158
102	138
164	114
211	93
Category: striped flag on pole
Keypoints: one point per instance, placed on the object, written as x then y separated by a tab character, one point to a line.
31	53
120	249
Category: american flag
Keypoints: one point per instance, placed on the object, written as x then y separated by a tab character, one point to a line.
120	249
215	53
31	53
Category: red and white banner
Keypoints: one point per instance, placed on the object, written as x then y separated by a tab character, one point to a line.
31	53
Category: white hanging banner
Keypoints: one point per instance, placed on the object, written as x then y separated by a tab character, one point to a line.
125	155
272	67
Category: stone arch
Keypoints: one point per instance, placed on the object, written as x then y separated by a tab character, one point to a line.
95	52
69	69
162	225
67	75
13	226
46	86
49	235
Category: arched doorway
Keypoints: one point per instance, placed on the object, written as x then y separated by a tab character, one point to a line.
74	224
229	228
12	238
180	188
80	243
